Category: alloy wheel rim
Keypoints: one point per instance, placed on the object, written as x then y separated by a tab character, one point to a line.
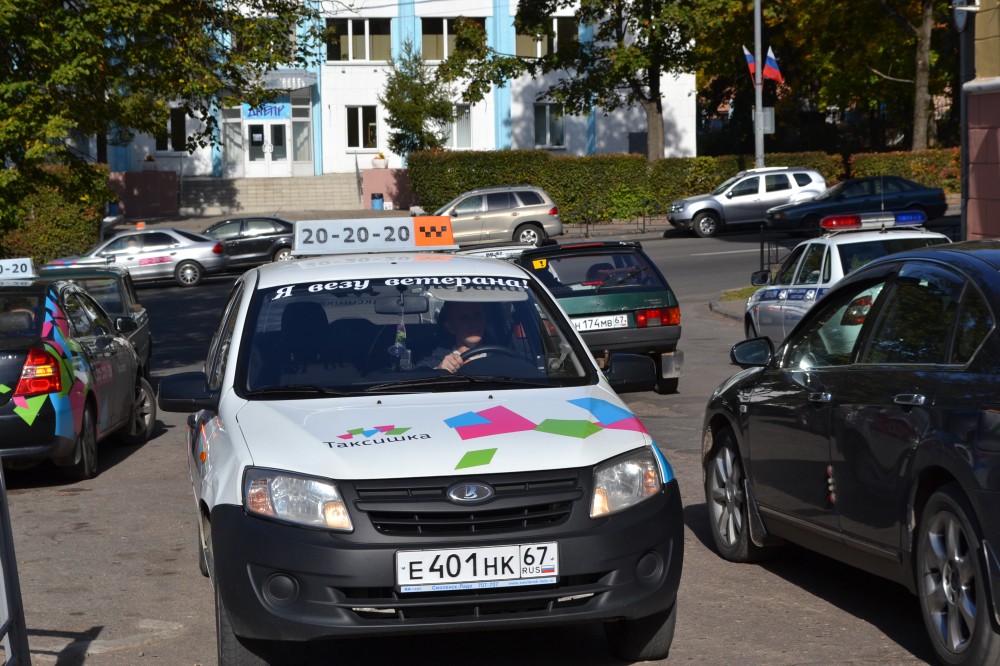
949	582
726	492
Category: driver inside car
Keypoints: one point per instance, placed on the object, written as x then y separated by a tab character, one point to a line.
466	323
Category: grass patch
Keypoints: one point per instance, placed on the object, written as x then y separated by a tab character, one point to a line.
738	294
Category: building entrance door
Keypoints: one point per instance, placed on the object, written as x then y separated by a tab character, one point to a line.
267	154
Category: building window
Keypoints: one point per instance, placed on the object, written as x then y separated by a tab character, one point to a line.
175	136
459	130
232	136
565	32
438	36
549	126
359	39
362	129
301	125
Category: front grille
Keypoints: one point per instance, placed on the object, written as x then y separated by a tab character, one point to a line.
420	507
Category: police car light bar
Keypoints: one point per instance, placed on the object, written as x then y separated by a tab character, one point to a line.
907	218
375	234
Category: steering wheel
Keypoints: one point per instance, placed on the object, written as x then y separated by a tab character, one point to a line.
490	349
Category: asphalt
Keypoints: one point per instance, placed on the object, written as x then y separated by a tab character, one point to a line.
638	229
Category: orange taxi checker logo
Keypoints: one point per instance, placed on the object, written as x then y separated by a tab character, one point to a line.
432	231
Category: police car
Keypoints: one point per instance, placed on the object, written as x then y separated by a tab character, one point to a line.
392	439
813	266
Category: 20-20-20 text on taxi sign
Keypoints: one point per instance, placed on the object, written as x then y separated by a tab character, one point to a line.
427	232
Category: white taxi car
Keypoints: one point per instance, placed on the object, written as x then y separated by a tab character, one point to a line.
813	266
414	441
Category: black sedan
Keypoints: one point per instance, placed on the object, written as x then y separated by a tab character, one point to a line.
68	377
872	435
859	195
252	241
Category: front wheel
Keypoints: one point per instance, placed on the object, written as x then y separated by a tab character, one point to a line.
233	650
143	419
529	233
725	494
188	274
749	329
951	582
706	224
645	639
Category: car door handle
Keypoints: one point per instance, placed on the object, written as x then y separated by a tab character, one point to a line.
514	214
910	399
820	396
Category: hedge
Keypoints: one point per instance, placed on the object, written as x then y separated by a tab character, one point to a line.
601	188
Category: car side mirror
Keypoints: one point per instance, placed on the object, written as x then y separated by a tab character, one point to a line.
126	325
753	353
760	278
729	194
186	392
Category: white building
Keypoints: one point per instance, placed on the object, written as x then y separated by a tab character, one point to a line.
328	119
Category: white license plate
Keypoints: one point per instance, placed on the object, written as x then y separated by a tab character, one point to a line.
477	568
600	323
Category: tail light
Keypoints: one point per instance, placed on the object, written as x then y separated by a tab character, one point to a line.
40	374
554	211
658	317
857	311
218	249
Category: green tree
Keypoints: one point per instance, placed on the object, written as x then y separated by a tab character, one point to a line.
90	68
634	43
418	102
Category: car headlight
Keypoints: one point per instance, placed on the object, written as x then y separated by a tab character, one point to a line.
294	498
624	482
676	206
779	216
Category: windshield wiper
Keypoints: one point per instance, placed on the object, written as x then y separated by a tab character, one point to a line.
454	379
296	389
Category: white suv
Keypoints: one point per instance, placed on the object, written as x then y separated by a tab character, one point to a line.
813	266
745	198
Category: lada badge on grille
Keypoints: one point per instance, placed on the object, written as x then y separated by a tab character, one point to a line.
470	492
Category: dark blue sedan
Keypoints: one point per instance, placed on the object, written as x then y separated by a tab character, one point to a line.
859	195
872	435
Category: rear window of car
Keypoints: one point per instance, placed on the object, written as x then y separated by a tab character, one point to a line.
856	255
197	238
21	316
529	198
578	275
802	179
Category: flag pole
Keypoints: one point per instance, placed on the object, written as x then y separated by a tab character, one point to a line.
758	87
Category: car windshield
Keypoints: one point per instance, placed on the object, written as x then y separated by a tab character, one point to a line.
588	274
722	188
855	255
443	210
833	191
391	335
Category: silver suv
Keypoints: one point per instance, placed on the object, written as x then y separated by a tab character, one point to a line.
521	213
745	198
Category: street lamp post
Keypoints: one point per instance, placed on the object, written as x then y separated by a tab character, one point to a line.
758	90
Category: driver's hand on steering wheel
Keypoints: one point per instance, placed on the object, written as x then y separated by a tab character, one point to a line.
451	362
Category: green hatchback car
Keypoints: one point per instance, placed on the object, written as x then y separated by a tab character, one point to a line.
616	298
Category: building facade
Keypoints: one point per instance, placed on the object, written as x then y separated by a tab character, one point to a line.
981	198
327	120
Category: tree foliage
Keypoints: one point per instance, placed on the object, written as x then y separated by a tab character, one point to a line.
634	43
98	67
418	103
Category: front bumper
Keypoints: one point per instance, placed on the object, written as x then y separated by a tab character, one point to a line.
281	582
679	221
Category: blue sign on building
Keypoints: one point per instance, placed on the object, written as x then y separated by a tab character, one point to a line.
280	109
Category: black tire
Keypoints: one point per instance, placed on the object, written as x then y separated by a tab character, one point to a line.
706	224
282	254
143	419
85	454
233	650
725	495
645	639
188	274
950	581
202	556
529	233
749	330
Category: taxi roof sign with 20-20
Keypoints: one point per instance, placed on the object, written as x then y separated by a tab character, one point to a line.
380	234
16	269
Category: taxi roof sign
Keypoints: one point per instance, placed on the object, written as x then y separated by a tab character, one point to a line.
14	269
374	234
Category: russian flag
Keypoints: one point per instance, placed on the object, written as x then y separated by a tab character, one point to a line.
771	70
750	61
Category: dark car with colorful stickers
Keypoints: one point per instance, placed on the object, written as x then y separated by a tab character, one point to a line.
397	440
616	298
69	377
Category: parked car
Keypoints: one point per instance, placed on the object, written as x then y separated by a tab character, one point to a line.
521	213
872	435
859	195
813	266
744	199
616	298
409	442
113	289
68	377
251	241
155	254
